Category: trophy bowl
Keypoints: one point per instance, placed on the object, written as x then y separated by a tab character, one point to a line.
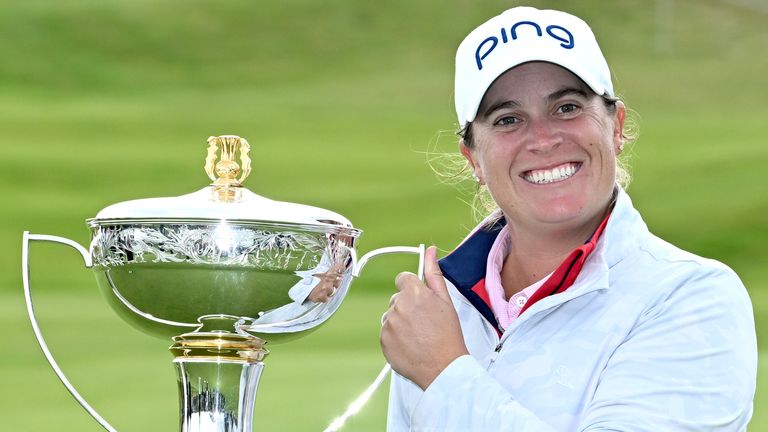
163	275
222	272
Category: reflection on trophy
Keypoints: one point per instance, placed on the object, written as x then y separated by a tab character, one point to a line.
224	273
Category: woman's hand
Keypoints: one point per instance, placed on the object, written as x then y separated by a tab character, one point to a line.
421	335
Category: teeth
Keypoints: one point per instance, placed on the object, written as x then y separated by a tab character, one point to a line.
556	174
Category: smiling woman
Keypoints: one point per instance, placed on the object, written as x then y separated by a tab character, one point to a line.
561	311
485	204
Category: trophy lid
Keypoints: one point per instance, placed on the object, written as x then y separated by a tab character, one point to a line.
224	199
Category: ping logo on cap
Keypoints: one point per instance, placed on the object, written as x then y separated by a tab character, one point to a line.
559	33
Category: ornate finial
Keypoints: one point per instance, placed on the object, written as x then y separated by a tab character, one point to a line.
224	172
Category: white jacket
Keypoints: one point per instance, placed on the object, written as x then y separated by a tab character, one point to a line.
649	338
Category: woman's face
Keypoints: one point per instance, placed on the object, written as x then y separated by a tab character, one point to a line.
546	146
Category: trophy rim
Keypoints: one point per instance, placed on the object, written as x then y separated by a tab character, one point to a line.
327	227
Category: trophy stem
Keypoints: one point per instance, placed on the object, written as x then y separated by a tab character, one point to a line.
217	397
218	374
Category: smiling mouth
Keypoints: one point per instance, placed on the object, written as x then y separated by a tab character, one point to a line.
552	175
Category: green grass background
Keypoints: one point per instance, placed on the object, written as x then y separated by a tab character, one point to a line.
108	100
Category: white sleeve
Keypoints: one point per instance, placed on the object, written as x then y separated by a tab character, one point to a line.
459	399
464	397
688	365
403	393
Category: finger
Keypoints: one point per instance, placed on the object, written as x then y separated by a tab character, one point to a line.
393	298
405	279
433	276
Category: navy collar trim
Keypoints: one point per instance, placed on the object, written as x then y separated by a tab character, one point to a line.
465	267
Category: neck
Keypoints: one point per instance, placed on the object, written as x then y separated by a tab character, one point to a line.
536	253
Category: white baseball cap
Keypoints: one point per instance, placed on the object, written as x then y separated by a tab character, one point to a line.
520	35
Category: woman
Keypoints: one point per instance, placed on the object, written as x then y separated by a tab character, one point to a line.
561	312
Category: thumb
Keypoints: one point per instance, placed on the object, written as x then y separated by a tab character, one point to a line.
433	276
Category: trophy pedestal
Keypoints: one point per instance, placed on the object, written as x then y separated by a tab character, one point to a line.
218	373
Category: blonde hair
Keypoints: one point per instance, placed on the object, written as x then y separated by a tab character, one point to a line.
452	168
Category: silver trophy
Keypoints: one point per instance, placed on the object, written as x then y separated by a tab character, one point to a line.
222	272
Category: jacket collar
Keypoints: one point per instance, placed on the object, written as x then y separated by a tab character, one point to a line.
625	232
465	266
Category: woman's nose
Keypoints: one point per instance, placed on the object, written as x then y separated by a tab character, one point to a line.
542	136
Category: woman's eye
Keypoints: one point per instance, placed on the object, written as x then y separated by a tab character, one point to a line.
506	121
567	108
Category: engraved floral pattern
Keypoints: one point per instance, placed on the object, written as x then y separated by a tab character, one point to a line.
207	244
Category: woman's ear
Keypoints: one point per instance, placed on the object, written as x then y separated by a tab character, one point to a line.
618	126
471	162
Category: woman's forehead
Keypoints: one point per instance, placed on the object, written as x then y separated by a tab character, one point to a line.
531	80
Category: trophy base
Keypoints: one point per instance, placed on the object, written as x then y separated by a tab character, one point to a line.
218	375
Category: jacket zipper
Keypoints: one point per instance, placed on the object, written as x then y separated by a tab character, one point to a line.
495	355
496	350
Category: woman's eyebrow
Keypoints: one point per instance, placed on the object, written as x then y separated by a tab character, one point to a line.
565	92
500	105
551	98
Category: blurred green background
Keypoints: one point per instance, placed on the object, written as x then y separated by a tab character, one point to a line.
103	101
